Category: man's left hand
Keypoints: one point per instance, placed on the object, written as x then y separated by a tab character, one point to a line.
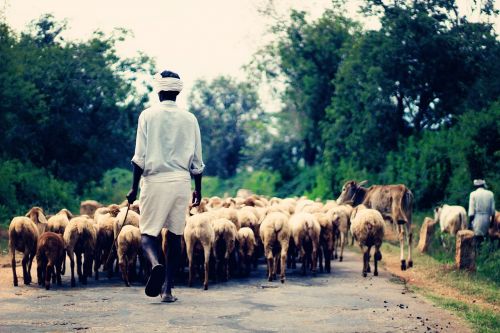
196	198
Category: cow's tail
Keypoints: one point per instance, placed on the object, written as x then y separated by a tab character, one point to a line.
405	207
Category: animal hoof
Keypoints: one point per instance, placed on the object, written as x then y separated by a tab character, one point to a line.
410	263
270	279
283	280
375	273
403	265
368	270
335	257
15	283
47	287
341	258
205	287
364	274
73	284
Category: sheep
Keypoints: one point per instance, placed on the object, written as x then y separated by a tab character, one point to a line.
128	247
275	234
103	212
367	227
340	217
104	244
135	206
58	222
23	236
305	233
326	241
451	219
50	256
494	229
132	219
199	233
214	202
223	246
228	213
88	207
245	243
80	238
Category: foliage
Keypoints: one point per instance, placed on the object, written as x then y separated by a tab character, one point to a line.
227	111
259	181
68	106
24	186
112	188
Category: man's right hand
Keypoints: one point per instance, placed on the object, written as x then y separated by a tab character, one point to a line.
132	195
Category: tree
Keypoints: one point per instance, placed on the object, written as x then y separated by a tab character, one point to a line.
70	107
226	110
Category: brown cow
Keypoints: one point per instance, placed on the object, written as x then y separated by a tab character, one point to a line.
394	202
494	230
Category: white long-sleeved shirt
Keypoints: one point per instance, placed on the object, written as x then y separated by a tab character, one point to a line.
481	201
168	142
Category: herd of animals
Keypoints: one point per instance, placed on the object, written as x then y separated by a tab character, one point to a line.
223	237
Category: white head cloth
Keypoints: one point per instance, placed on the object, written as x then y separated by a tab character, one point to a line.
166	83
479	182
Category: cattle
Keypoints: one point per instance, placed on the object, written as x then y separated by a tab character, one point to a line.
451	219
494	230
394	202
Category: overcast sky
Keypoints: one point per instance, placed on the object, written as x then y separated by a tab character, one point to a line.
196	38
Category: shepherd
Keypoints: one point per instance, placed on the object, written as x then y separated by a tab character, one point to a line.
167	153
481	210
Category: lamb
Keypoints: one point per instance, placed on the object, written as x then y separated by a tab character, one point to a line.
58	222
224	241
275	233
451	218
228	213
367	227
326	241
50	256
88	207
23	236
305	233
128	247
80	238
340	217
199	233
245	243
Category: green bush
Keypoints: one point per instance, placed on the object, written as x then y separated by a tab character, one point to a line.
112	188
24	186
488	261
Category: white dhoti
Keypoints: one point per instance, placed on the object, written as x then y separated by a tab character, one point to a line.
164	202
480	224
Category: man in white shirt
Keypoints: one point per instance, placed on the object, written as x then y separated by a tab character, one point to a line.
167	153
481	209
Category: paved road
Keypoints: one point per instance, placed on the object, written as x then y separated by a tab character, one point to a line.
340	302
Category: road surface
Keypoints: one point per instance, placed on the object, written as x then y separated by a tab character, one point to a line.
343	301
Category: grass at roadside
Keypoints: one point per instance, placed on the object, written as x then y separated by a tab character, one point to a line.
482	320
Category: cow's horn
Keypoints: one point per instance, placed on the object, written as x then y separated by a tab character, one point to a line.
363	182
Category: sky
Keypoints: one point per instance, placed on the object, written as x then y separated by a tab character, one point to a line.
195	38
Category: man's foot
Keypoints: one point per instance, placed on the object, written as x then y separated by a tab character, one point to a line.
155	281
168	298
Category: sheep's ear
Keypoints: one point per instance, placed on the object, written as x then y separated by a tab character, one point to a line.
364	182
70	215
28	213
41	217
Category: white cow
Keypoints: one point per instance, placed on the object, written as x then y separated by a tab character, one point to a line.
451	219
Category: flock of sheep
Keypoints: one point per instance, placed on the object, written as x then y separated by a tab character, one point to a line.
222	238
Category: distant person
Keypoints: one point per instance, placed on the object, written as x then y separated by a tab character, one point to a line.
167	153
481	210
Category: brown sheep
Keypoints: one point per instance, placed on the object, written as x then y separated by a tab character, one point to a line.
224	241
50	256
104	245
367	227
128	247
88	207
305	232
80	238
275	234
23	236
199	235
245	243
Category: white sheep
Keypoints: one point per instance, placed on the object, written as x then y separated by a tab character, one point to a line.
451	218
367	227
57	223
80	238
199	235
326	241
275	234
224	241
305	233
340	217
245	242
128	247
23	236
